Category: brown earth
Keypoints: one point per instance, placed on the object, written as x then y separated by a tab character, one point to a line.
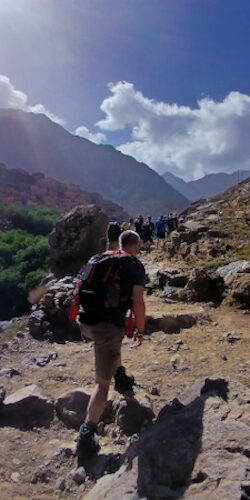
162	362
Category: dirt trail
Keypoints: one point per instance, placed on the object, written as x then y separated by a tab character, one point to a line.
165	361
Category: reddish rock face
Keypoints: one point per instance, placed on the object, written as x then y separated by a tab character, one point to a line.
18	187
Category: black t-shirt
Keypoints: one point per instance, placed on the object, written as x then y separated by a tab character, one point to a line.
132	273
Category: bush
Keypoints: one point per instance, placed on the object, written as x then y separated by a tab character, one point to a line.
24	255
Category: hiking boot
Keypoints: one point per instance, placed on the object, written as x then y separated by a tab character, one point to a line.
87	443
123	382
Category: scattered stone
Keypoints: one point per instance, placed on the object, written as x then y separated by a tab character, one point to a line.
28	406
40	359
60	484
71	407
9	372
231	337
42	475
15	477
20	335
68	449
78	475
130	413
154	391
176	361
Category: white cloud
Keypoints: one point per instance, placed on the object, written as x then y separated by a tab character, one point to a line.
212	137
15	99
97	137
9	96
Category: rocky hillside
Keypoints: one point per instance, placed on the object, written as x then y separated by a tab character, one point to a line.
18	187
35	143
215	232
183	432
207	186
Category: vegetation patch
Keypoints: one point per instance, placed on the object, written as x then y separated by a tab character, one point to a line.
10	332
24	255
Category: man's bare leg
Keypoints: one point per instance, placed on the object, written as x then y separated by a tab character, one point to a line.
97	401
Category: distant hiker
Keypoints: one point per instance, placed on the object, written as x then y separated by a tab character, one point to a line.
106	327
113	234
147	232
160	229
170	223
138	225
125	226
132	225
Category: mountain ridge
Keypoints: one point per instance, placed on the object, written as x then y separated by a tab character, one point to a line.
207	186
37	144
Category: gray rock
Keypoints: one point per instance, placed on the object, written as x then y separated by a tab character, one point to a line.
130	414
204	286
232	270
76	237
193	451
40	359
60	484
71	407
78	475
2	394
9	372
28	406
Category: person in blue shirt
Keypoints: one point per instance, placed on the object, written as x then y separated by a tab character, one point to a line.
160	229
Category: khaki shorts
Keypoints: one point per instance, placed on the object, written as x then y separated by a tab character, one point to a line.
107	344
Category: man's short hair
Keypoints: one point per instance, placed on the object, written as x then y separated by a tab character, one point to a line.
128	238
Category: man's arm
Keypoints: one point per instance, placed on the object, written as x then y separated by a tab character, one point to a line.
139	309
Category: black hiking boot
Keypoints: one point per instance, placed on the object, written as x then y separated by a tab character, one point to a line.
123	382
87	443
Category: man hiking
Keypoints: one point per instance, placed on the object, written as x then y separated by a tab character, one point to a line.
108	334
160	229
113	234
147	232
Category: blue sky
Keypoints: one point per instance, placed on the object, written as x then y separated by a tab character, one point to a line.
162	58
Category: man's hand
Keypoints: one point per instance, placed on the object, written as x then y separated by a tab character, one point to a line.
137	339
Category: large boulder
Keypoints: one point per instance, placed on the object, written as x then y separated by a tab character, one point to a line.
77	236
236	276
71	407
233	270
49	319
197	450
240	289
204	286
28	407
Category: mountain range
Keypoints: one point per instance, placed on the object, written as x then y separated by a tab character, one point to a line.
207	186
36	144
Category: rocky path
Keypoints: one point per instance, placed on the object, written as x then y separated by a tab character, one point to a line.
38	462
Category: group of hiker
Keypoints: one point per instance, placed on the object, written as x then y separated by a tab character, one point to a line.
146	229
112	283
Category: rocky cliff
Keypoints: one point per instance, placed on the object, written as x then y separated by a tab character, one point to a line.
18	187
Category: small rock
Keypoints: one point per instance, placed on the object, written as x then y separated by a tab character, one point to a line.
15	476
20	335
154	391
9	372
176	361
60	484
231	337
78	475
2	394
68	449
